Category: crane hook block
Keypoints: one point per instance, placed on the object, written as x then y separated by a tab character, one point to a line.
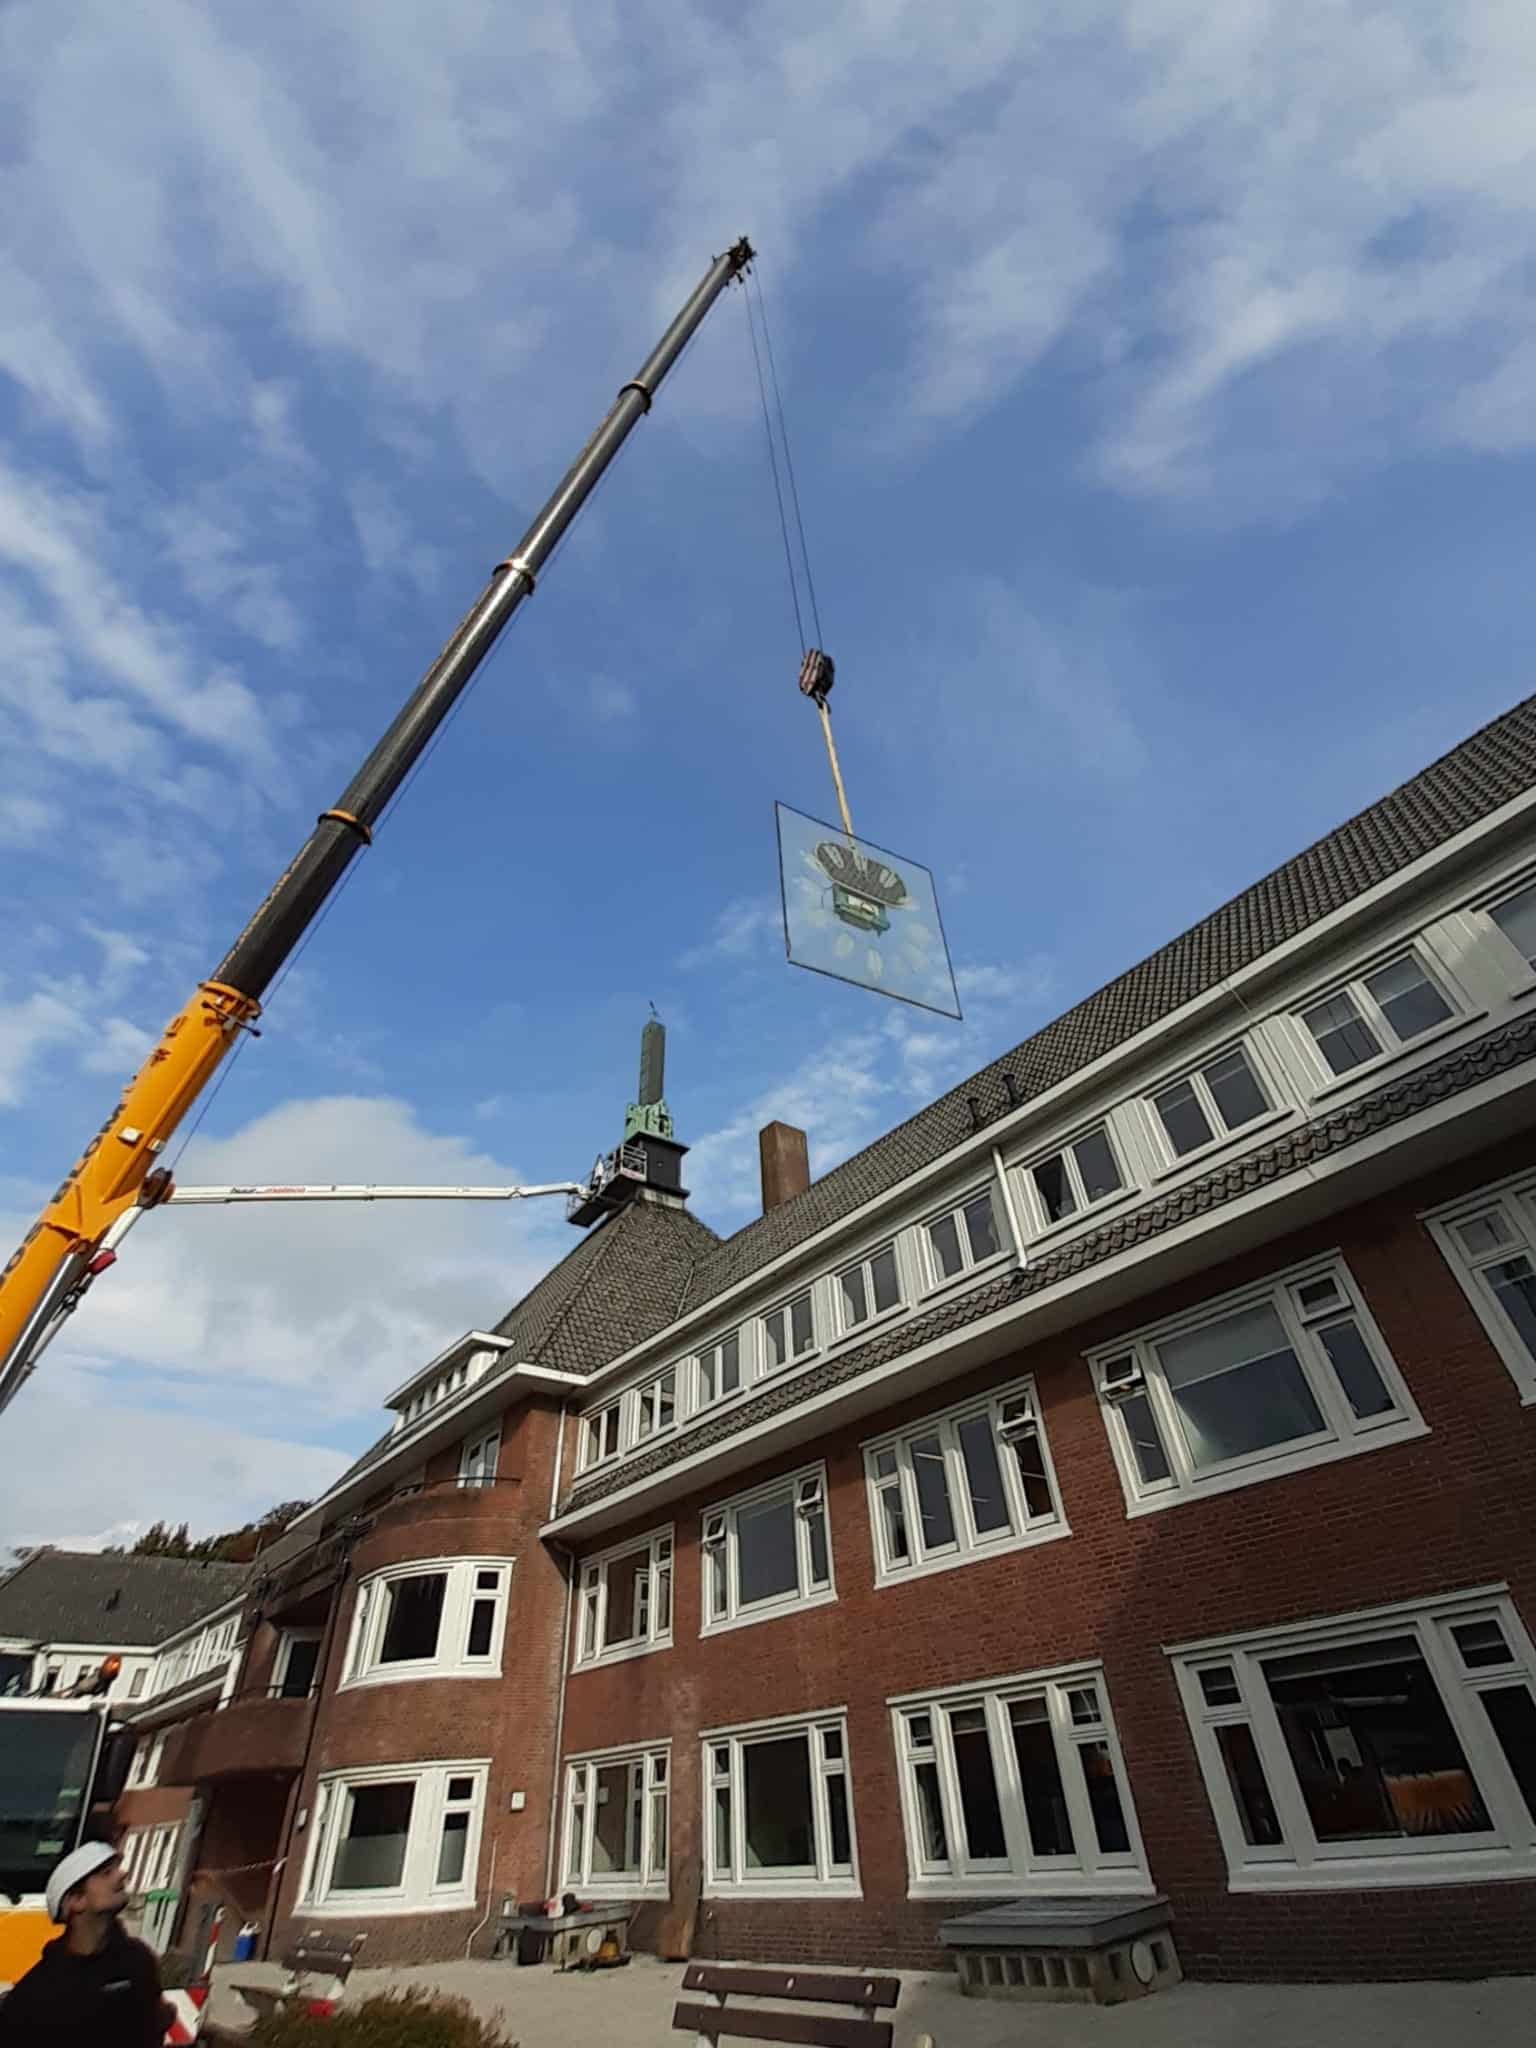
816	674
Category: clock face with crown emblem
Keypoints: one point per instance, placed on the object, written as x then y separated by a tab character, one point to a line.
862	914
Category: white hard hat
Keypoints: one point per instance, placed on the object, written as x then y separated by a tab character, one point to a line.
76	1867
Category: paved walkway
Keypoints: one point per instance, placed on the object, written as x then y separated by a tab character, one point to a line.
632	2008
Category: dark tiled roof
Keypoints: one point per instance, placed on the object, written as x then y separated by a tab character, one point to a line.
88	1596
1494	1053
1465	785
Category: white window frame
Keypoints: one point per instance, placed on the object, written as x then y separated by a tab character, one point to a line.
1012	1410
1370	1012
820	1880
1038	1222
592	1601
287	1638
145	1767
1222	1133
649	1418
650	1782
1300	1862
418	1890
766	1369
1079	1715
596	1428
1513	1203
846	1324
370	1619
136	1681
933	1276
1526	970
698	1400
806	1491
1132	1367
478	1456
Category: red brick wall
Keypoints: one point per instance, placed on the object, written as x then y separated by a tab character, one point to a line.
1449	1510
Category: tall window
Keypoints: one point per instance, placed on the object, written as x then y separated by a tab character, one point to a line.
1516	919
626	1600
1220	1096
1073	1179
616	1823
445	1620
869	1289
656	1405
1262	1381
971	1481
789	1333
778	1811
477	1459
1393	1746
600	1434
396	1837
1489	1241
1018	1783
718	1370
962	1238
1380	1011
294	1667
767	1552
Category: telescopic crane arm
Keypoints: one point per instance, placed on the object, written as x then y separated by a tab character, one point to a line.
119	1170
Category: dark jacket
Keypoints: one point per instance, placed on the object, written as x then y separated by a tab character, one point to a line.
109	2000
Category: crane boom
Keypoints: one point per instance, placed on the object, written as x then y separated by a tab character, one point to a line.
69	1243
338	1192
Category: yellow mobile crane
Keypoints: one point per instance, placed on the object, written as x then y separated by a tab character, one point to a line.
119	1176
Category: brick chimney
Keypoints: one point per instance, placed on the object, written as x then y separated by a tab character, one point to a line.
786	1166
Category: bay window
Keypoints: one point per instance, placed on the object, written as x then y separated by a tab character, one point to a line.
395	1838
1267	1380
767	1552
445	1619
626	1601
970	1482
778	1810
1017	1784
1396	1746
616	1823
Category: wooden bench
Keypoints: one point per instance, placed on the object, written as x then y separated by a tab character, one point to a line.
329	1957
722	1982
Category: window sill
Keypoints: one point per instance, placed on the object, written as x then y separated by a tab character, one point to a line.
621	1653
1030	1540
454	1671
386	1908
1367	1070
1282	1467
957	1282
789	1368
778	1612
1202	1154
874	1322
612	1891
1376	1873
1041	1885
791	1888
1065	1225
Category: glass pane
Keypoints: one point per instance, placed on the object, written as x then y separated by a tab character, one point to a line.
837	1820
883	1281
1054	1188
766	1563
978	1787
450	1854
482	1620
1146	1444
898	1549
629	1584
885	1464
415	1610
1481	1234
718	1595
1373	1748
1481	1644
1239	1098
800	1324
730	1364
1246	1780
1083	1706
981	1228
1029	1457
1104	1797
1343	1037
371	1854
934	1512
1512	1712
723	1830
983	1476
1184	1120
663	1598
1238	1387
930	1814
299	1672
1348	1354
778	1339
615	1828
816	1529
1045	1800
944	1236
1096	1163
1219	1686
855	1295
1514	1288
777	1791
1409	1000
1516	919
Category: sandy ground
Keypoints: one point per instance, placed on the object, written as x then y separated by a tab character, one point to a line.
542	2008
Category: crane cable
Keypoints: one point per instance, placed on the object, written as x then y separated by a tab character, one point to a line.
816	668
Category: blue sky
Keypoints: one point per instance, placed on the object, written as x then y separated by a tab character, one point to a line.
1164	403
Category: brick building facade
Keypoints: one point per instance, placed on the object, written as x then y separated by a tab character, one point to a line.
1112	1484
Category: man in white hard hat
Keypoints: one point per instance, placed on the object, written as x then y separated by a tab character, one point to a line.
94	1987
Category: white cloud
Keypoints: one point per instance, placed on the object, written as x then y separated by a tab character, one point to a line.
28	1028
27	820
741	929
